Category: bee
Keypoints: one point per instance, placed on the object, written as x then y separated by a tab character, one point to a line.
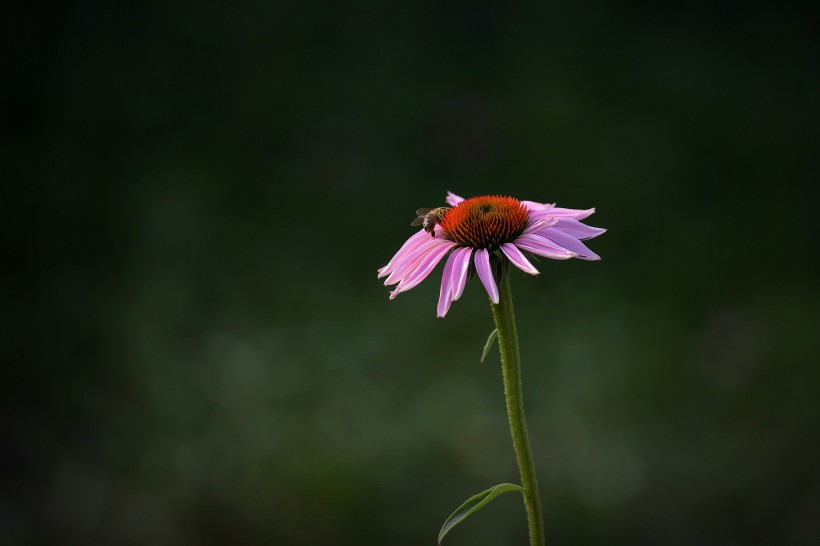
428	218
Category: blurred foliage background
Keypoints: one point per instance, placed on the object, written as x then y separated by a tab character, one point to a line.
196	198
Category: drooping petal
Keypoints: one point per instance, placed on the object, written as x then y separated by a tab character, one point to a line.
424	268
485	273
413	258
460	270
570	243
543	247
577	229
439	248
453	199
518	259
445	296
409	245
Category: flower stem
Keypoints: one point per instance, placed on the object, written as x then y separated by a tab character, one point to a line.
511	367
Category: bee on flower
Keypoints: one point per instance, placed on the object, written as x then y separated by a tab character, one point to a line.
428	218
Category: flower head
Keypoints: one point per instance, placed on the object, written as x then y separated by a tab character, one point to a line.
474	229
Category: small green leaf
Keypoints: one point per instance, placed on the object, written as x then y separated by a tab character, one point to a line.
474	503
489	344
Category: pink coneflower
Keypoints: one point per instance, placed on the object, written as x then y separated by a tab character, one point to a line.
479	227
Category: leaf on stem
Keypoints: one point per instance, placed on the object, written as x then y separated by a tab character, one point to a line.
489	344
475	503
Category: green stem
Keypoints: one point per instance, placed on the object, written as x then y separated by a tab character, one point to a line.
511	367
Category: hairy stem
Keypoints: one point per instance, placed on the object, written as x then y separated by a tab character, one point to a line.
511	367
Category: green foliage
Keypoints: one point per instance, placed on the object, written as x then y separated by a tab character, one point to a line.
489	344
474	504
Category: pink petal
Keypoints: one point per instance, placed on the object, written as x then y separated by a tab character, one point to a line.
533	205
558	212
460	270
518	259
577	214
543	247
424	268
413	258
485	273
570	243
407	269
539	222
577	229
413	242
453	199
445	296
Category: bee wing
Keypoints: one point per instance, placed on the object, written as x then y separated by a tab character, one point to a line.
417	222
422	212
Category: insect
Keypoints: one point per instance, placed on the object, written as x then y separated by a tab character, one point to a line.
428	218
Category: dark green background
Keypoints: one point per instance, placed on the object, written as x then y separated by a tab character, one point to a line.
196	198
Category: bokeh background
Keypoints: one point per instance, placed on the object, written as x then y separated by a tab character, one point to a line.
196	198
